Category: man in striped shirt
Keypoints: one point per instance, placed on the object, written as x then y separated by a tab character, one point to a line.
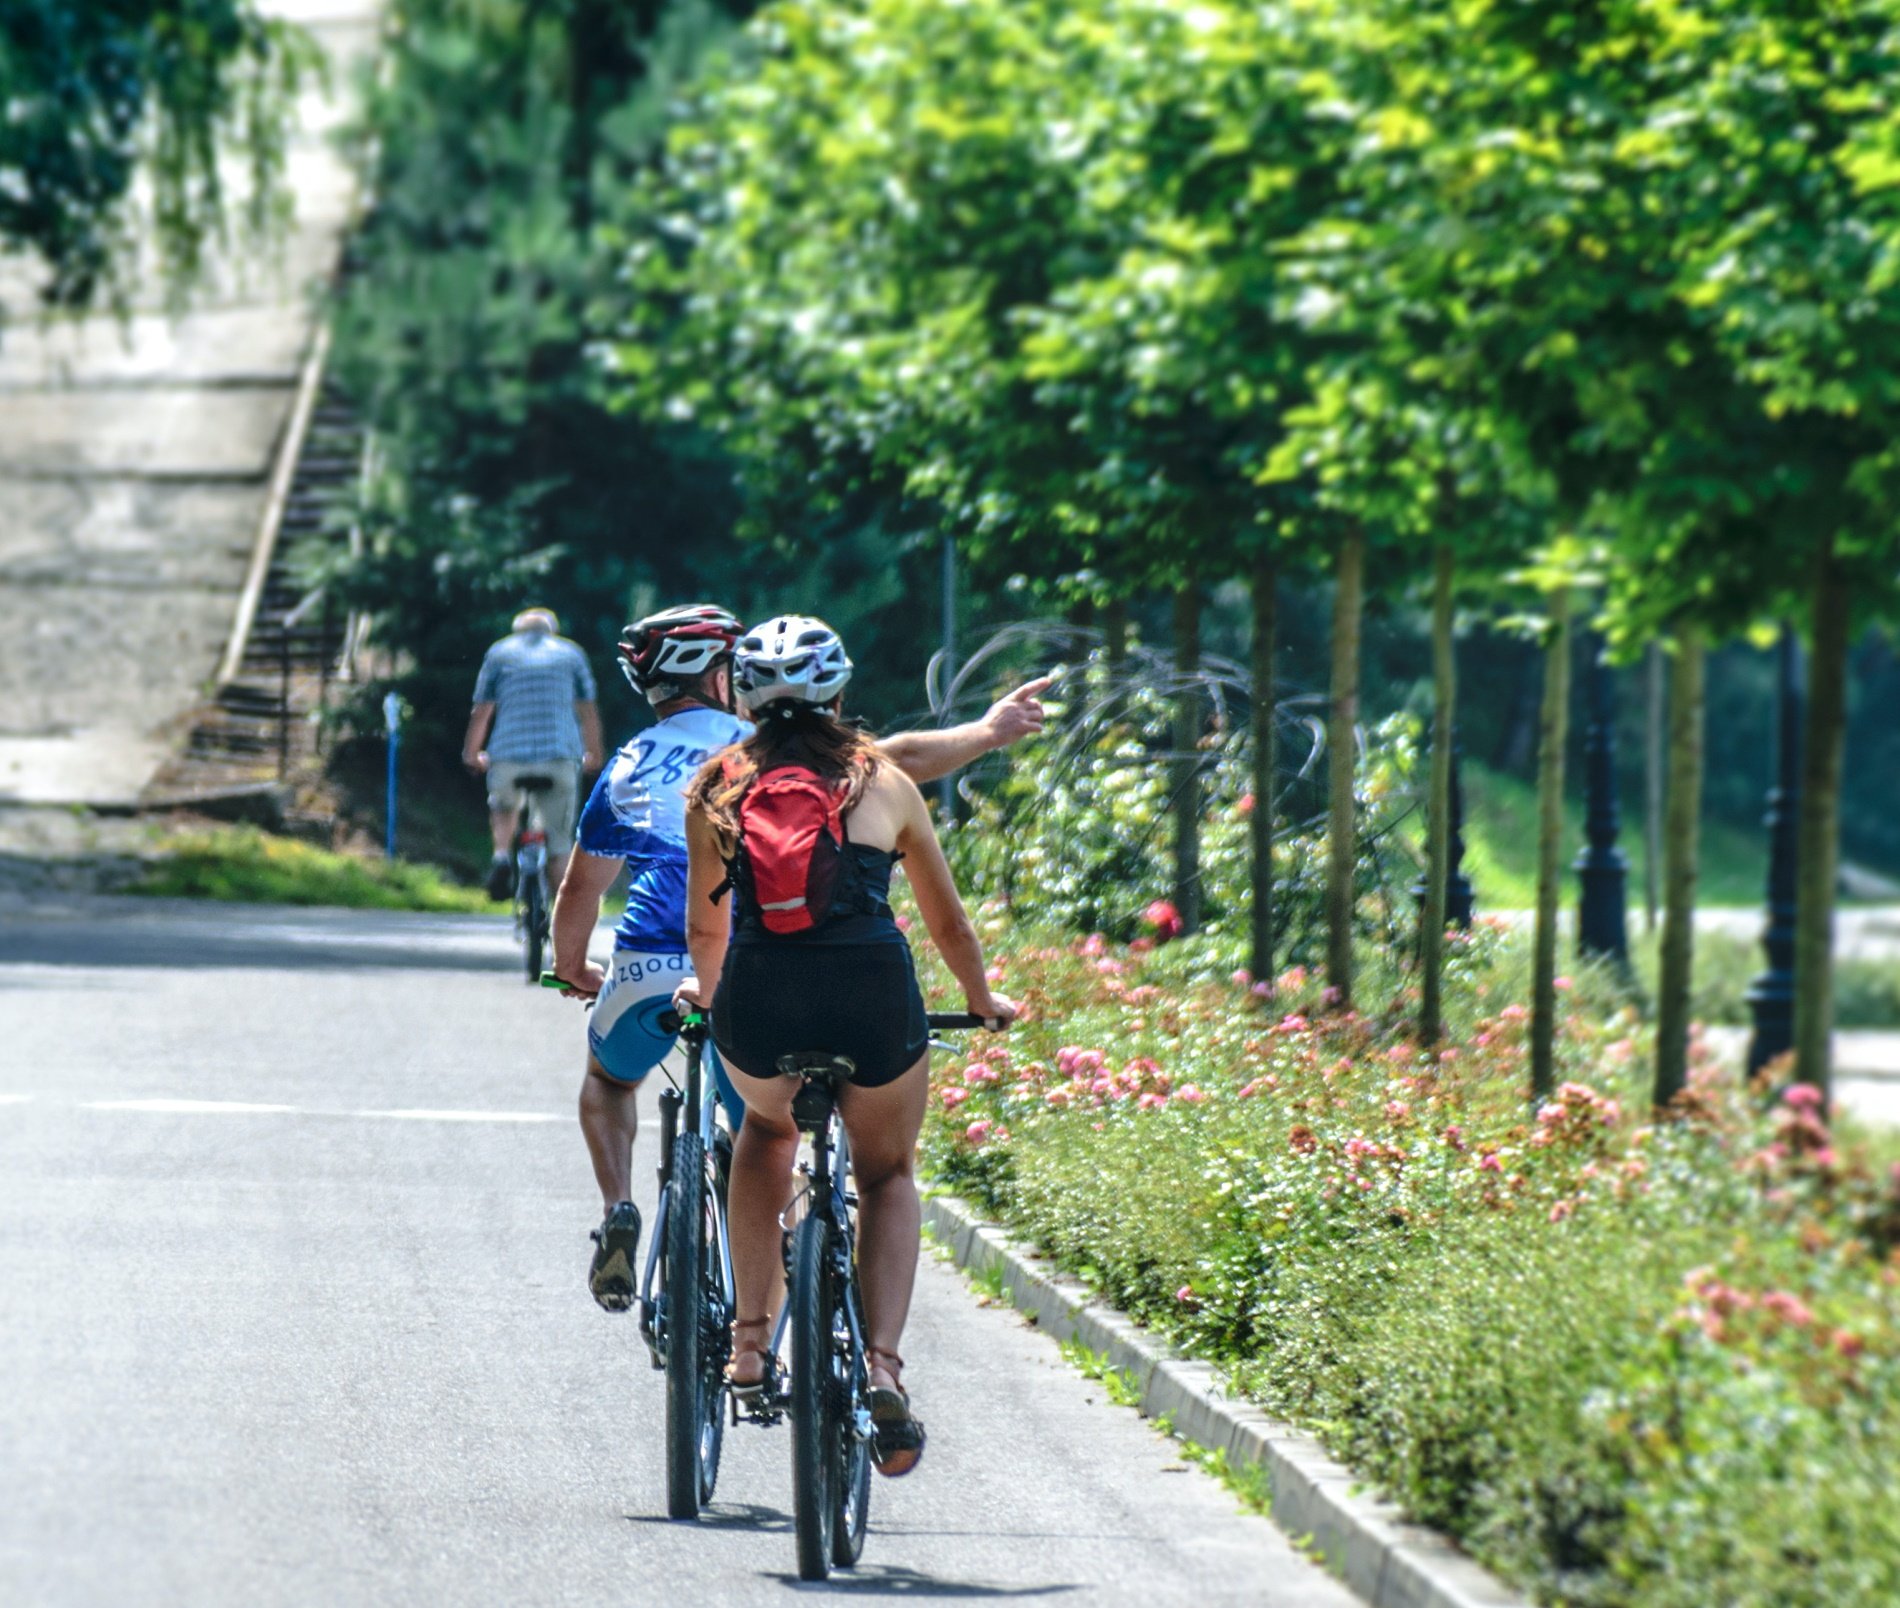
535	714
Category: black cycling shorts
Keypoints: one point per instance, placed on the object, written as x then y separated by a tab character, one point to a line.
860	1000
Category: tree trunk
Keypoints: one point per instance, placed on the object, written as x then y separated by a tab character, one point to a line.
1818	861
1655	713
1431	935
1552	732
1682	814
1188	723
1342	826
1266	583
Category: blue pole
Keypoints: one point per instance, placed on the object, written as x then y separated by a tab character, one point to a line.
392	722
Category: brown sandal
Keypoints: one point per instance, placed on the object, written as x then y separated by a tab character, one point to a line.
897	1443
753	1394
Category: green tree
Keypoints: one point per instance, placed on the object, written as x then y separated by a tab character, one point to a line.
100	96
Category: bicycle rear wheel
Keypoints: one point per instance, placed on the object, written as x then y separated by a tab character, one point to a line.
816	1428
534	922
695	1358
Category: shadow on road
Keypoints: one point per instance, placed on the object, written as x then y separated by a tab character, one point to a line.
131	933
893	1580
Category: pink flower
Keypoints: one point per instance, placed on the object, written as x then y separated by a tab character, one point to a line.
1057	1098
1788	1307
1803	1097
1329	996
1165	919
1490	1164
1293	977
1111	968
977	1073
978	1132
1562	984
903	923
1848	1344
1241	977
1185	1293
1190	1094
1291	1024
1262	989
952	1098
1249	1090
1152	1102
995	973
1561	1210
1513	1013
1397	1111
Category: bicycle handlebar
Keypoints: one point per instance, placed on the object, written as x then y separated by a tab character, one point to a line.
672	1021
957	1021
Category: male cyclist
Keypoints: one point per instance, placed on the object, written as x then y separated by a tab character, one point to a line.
534	715
680	661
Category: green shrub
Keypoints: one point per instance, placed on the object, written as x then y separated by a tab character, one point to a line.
244	864
1629	1363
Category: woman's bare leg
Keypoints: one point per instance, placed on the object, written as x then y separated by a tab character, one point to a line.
761	1186
883	1124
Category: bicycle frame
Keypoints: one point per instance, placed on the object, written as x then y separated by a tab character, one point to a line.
827	1196
693	1101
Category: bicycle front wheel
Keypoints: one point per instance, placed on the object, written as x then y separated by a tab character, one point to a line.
695	1399
534	922
816	1420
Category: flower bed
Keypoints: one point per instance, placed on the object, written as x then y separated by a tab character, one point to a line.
1625	1361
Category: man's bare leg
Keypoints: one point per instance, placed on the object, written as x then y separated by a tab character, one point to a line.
610	1118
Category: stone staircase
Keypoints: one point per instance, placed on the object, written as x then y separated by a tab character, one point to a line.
259	740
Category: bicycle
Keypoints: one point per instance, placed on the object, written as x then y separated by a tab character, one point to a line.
531	871
828	1394
686	1293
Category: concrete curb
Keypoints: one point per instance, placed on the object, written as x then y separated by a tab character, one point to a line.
1386	1560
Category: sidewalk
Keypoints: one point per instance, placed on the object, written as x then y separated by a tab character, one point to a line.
1866	1069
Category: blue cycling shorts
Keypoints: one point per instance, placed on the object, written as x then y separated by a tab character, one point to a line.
623	1029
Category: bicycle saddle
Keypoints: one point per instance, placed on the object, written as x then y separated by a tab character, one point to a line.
816	1066
822	1073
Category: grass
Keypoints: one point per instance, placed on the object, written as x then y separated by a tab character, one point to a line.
1501	847
245	865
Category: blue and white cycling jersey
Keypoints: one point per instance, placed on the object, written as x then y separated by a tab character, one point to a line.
637	811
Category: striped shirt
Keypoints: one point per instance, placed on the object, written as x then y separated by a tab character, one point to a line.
534	679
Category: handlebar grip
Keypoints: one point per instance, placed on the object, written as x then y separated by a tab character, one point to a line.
959	1021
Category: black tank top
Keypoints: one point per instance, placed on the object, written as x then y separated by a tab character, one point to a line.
860	908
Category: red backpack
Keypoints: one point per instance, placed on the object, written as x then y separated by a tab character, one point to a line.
791	848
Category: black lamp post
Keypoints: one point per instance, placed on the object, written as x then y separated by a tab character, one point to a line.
1771	995
1457	884
1602	919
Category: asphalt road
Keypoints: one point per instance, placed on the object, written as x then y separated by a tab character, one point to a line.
293	1229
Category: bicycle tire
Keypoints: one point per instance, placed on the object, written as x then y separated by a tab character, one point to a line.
534	924
815	1431
695	1417
854	1494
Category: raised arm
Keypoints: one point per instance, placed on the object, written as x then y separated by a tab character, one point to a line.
708	925
941	906
924	756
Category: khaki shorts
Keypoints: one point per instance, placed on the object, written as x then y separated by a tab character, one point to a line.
556	808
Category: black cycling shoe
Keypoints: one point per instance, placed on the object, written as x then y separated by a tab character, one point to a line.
501	879
617	1245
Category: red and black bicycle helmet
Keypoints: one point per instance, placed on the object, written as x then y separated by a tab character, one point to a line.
677	645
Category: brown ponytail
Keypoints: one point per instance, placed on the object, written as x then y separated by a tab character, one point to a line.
787	733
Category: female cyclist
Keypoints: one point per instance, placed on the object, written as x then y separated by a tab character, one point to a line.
845	986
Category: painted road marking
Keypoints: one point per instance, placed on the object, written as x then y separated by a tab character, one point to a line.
166	1106
461	1116
190	1108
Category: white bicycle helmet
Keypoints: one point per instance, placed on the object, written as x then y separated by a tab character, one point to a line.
793	657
